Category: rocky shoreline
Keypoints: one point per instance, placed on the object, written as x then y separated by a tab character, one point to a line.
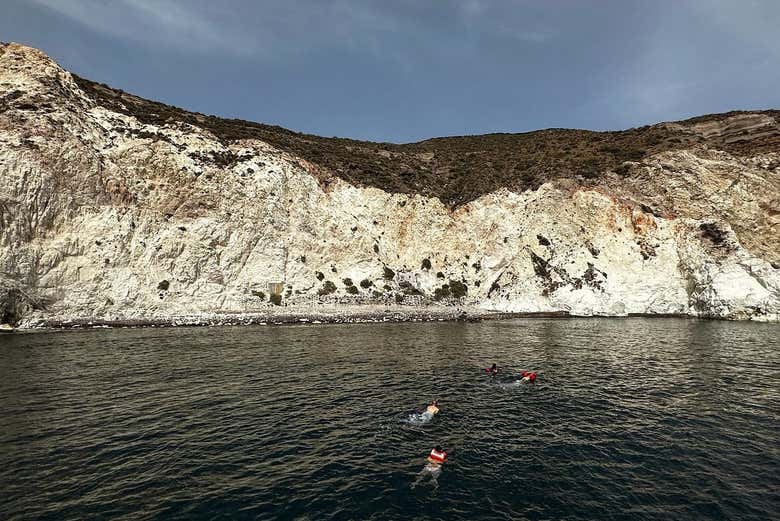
304	316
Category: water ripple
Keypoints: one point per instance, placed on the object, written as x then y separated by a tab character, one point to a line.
629	419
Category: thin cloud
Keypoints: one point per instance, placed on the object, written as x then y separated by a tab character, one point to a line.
277	30
751	22
274	30
160	22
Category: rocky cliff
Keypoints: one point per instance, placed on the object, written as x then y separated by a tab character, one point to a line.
113	207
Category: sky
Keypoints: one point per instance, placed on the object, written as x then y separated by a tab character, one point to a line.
406	70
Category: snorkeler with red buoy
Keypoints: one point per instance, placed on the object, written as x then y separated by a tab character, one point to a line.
528	376
432	468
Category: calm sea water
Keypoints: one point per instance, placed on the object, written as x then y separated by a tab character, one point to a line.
629	419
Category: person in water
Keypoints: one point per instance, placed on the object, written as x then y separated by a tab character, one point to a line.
430	411
528	376
493	371
435	460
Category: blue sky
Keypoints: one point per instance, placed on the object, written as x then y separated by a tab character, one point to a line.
406	70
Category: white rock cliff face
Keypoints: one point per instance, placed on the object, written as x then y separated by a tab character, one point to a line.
106	218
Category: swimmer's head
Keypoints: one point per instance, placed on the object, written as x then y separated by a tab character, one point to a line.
438	448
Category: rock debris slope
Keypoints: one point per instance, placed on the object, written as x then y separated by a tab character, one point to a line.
113	207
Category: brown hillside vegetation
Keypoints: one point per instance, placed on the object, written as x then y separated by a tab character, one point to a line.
459	169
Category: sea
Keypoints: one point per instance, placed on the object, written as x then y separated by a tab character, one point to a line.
636	418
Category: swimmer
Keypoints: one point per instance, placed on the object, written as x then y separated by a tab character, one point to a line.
528	376
435	460
425	416
493	371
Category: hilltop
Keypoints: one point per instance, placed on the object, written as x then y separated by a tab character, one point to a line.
459	169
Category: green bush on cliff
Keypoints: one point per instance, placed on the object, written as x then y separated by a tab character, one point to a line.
442	292
327	288
458	289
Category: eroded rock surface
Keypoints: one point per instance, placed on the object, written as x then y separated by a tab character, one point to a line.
104	215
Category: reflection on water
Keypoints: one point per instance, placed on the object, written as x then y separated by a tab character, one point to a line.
628	419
